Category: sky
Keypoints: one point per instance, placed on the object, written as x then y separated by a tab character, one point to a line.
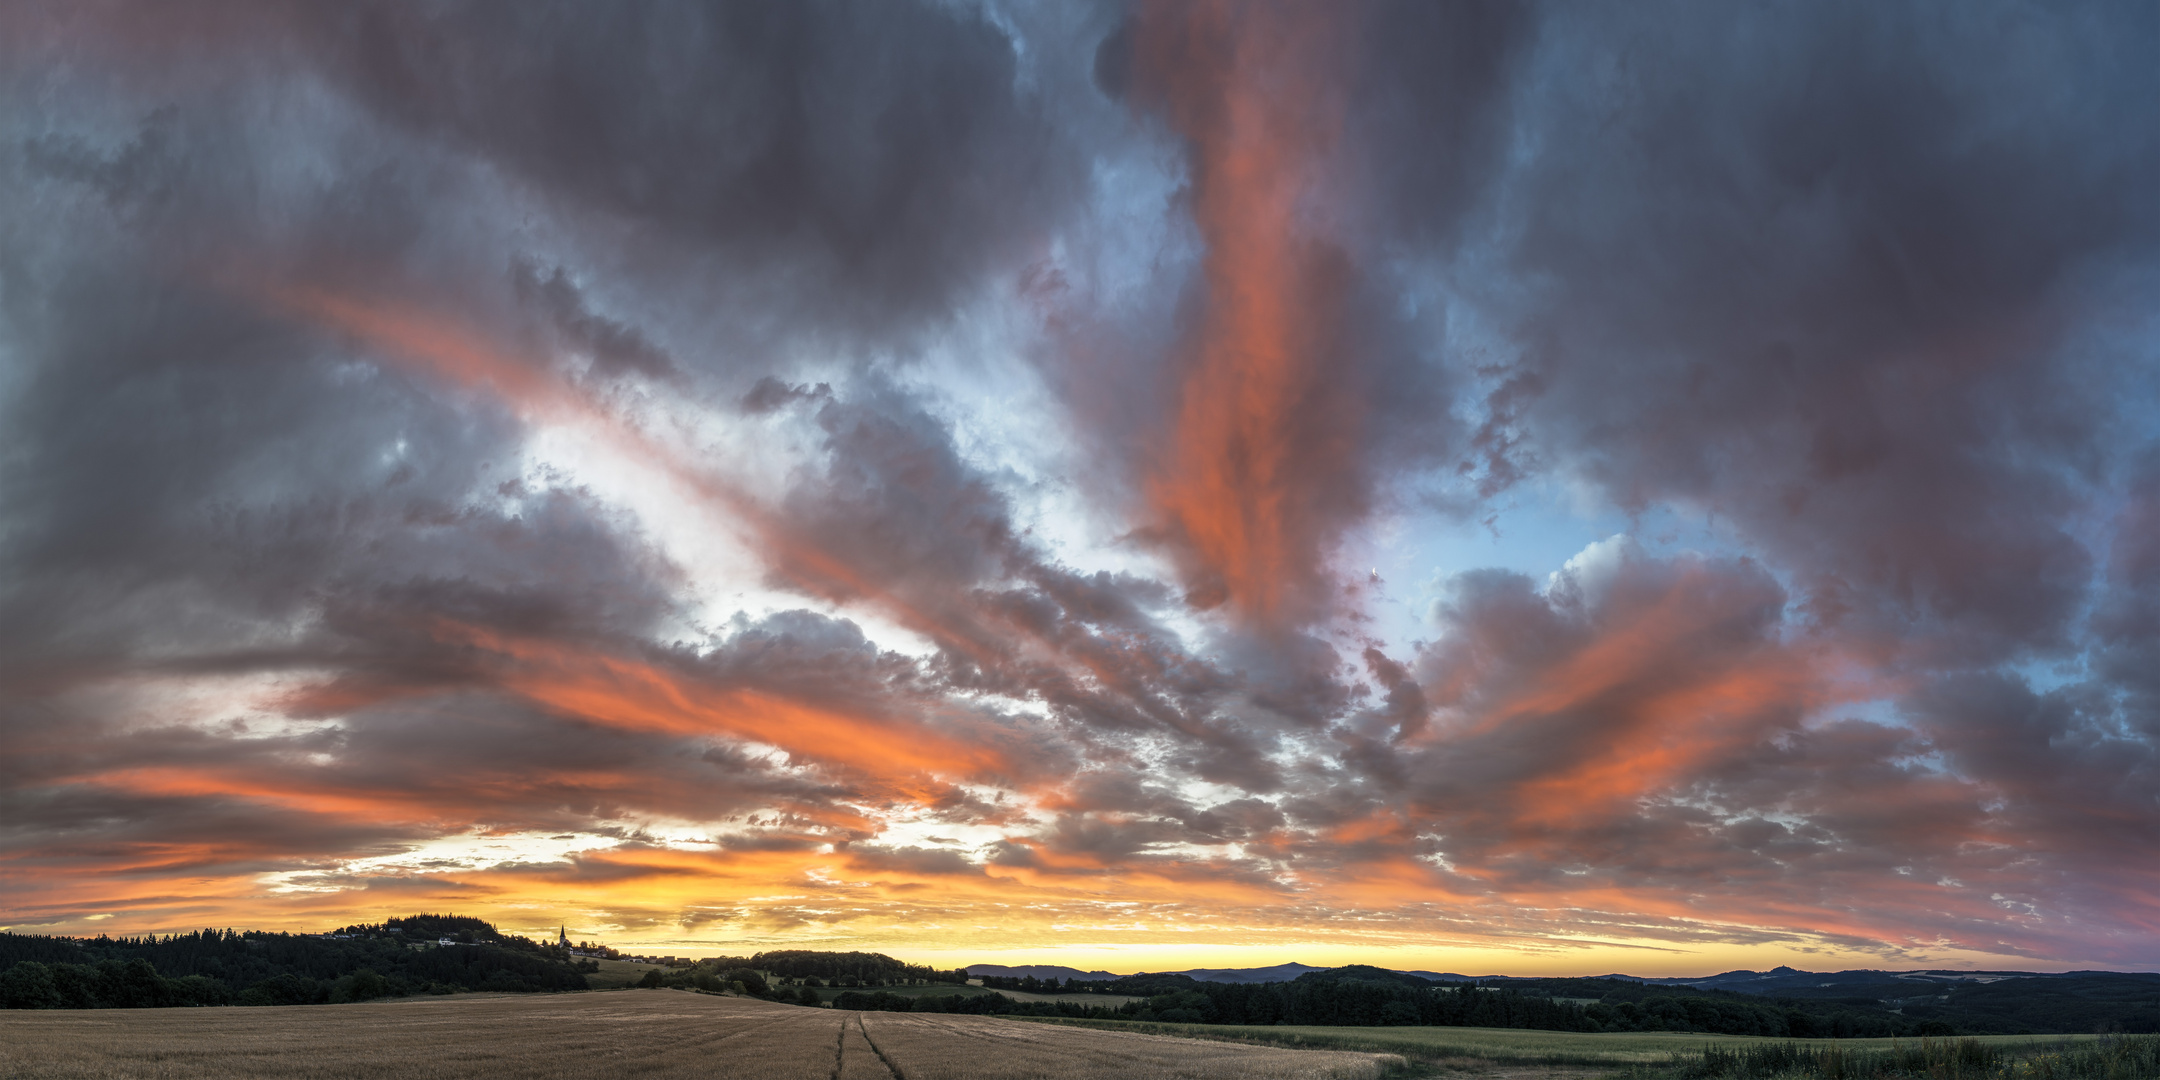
1502	488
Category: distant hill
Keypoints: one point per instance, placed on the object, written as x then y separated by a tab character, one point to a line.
1364	973
1278	973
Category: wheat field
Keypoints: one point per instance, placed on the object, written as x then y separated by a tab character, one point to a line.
657	1034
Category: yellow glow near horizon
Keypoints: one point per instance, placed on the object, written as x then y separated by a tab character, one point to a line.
1120	952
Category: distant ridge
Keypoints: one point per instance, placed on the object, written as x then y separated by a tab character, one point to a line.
1278	973
1777	980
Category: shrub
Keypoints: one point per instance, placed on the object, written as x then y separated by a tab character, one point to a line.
201	990
285	989
29	985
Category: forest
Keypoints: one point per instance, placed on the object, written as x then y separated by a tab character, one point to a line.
1367	996
226	967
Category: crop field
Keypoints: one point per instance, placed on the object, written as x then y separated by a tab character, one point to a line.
647	1034
1514	1046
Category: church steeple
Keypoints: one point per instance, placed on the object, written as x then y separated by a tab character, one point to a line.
562	935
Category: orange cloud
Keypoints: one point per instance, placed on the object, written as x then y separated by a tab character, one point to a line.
1262	455
449	349
899	751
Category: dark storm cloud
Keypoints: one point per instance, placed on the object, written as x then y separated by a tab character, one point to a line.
199	487
930	538
1817	269
173	463
1431	111
802	647
181	465
1857	282
615	348
1429	125
888	151
2126	619
879	157
896	503
795	171
910	861
1644	724
2073	782
1145	803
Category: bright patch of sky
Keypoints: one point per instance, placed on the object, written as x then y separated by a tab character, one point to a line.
248	704
477	849
1535	533
917	829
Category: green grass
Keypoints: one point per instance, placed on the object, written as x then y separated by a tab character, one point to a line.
615	974
1511	1046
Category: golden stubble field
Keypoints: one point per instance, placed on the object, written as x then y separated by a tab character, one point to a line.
615	1035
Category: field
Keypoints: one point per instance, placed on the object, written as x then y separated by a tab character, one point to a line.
645	1034
615	974
1478	1049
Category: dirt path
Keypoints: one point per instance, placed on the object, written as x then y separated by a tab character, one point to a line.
859	1056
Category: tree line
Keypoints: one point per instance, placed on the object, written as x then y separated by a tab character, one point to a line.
835	968
1372	997
224	967
794	976
1367	996
394	958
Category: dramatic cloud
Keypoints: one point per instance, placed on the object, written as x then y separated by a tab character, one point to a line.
1259	466
1536	487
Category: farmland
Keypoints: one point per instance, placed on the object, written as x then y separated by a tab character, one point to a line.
656	1034
1476	1048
